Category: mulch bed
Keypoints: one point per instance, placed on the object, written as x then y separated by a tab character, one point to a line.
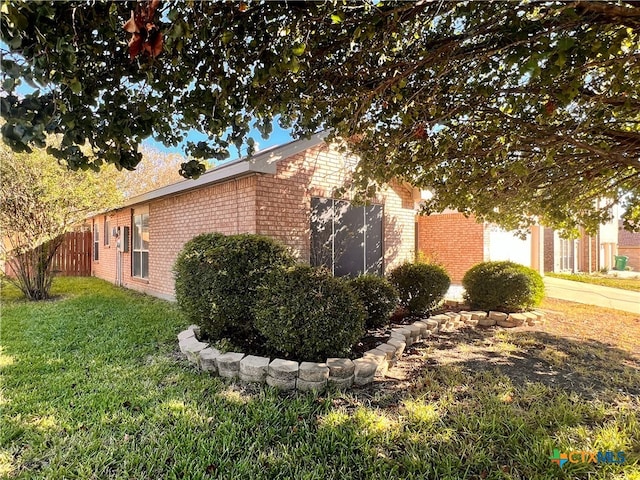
580	348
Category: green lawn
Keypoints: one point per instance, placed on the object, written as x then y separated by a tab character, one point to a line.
599	279
93	387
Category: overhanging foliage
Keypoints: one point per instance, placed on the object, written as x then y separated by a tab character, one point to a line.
515	112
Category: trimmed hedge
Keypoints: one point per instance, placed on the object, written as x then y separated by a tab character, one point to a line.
421	286
503	286
378	297
217	276
306	313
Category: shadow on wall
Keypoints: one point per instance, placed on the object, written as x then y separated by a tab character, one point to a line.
298	207
353	239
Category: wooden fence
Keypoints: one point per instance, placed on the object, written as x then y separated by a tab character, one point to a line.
73	258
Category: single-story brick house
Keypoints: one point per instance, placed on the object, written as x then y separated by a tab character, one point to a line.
284	192
288	193
459	242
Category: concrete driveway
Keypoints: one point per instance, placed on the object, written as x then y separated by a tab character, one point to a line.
607	297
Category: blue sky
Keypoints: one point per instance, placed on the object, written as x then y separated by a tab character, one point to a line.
278	137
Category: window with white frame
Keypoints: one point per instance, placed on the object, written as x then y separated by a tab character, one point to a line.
566	255
107	234
140	250
96	242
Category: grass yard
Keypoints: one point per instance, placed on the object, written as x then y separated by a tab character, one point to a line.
93	386
600	279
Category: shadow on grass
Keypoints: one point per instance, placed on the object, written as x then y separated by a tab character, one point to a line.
93	388
587	367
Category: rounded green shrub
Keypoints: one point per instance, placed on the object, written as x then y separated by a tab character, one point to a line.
305	313
421	286
217	277
503	286
378	297
194	274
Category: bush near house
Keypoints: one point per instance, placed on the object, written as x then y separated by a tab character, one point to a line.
307	313
421	286
378	297
504	286
217	276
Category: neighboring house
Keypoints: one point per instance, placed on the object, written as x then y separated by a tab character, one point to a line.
629	246
459	242
285	192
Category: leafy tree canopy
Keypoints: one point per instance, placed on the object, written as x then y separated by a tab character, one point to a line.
515	112
40	199
156	169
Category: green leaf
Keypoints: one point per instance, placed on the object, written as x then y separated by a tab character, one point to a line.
227	37
337	17
298	49
8	84
18	19
565	43
75	86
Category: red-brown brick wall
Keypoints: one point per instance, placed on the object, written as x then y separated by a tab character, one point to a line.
274	205
634	256
284	203
226	208
549	263
585	252
453	240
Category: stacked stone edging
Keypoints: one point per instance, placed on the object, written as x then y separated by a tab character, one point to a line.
338	372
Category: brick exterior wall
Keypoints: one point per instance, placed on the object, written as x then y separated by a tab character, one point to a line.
629	246
548	250
106	265
274	205
284	203
453	240
634	257
584	252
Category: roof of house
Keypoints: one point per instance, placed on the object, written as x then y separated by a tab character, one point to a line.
627	238
264	161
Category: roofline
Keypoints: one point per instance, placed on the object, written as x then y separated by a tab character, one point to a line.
264	161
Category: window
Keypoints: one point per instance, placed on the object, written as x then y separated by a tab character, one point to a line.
107	228
140	258
96	242
344	238
566	255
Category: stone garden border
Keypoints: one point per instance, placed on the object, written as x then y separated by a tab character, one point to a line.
338	372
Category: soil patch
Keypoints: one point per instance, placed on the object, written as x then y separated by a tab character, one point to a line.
582	349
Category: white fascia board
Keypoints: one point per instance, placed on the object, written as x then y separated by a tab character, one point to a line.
262	162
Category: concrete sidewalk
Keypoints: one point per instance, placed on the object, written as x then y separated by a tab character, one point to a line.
607	297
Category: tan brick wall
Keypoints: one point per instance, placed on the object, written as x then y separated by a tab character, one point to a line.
451	239
284	203
226	208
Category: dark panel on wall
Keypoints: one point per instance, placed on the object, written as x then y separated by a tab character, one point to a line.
349	239
321	232
373	240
